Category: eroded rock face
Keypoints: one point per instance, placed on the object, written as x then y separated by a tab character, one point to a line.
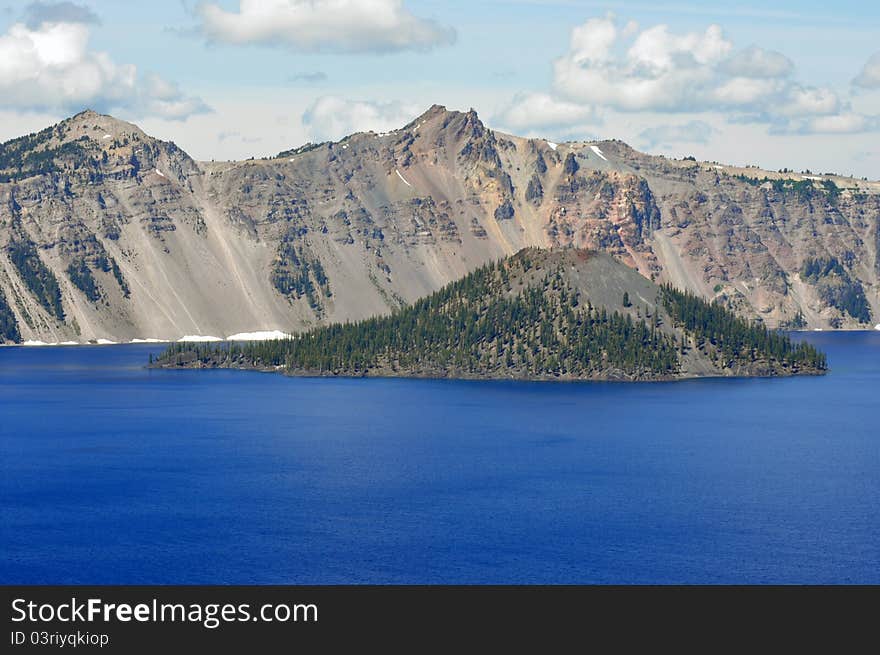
141	241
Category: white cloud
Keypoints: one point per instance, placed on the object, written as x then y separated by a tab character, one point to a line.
159	97
541	111
802	101
659	71
669	135
842	123
591	42
657	51
663	71
332	117
653	69
324	25
869	78
744	92
755	62
50	67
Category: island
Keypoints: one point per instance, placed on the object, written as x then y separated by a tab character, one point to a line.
541	314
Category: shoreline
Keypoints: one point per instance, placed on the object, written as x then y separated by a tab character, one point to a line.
472	377
274	335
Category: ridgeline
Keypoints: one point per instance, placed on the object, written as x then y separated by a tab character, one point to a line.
107	232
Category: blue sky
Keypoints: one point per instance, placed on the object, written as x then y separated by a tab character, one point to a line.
793	84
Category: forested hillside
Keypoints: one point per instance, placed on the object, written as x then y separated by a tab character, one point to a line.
531	316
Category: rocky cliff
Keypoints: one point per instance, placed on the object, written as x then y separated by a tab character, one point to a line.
108	233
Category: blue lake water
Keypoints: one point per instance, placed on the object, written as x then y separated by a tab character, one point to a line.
111	473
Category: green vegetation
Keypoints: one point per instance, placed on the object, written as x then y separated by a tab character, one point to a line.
736	340
836	288
308	147
831	189
8	324
36	275
109	265
31	155
504	211
81	276
797	323
123	285
469	328
540	164
815	268
804	189
515	318
535	190
297	274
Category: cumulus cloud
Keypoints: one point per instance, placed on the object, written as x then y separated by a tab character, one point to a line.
631	69
869	78
333	117
669	135
324	25
541	111
657	70
757	63
159	97
50	67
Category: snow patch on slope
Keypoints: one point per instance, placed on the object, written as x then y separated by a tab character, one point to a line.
402	178
553	146
598	152
197	338
264	335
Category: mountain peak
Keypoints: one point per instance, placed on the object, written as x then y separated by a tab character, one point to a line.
91	145
89	119
426	116
86	114
444	116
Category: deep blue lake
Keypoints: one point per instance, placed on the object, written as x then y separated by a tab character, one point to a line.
111	473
